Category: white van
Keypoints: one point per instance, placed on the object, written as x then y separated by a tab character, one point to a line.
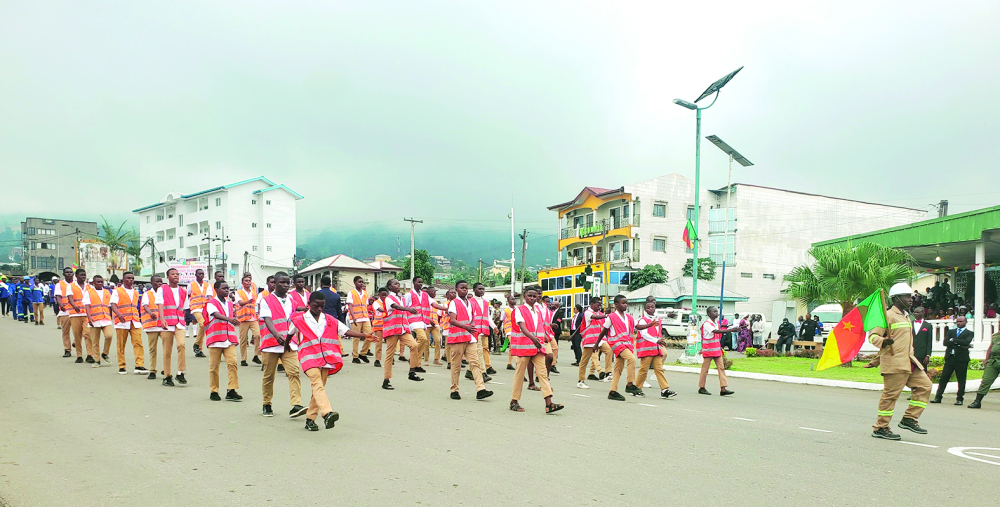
676	321
829	315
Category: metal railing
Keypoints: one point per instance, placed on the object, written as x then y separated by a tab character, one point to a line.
596	229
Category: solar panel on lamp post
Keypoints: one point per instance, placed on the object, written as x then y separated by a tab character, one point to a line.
713	89
733	155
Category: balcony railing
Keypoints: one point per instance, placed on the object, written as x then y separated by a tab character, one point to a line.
597	229
609	256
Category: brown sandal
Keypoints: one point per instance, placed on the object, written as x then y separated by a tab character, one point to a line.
516	407
554	407
534	388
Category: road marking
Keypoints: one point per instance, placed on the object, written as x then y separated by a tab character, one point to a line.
964	452
581	395
696	411
647	405
921	445
744	419
985	455
495	382
814	429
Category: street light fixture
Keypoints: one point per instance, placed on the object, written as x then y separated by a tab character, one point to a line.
712	89
733	155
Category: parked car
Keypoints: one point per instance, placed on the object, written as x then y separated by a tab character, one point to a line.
829	315
676	322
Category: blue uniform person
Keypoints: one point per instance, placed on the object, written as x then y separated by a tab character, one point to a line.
36	297
4	297
26	301
15	298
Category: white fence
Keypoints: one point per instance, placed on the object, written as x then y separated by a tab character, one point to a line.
979	344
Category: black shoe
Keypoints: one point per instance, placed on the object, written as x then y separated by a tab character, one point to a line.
232	395
667	393
199	354
632	389
456	396
403	359
443	358
447	366
311	425
886	433
592	377
280	368
296	411
378	364
121	371
152	375
255	360
194	348
483	394
181	379
603	374
911	424
355	361
214	397
369	354
244	363
725	392
615	395
331	419
465	363
574	364
554	369
936	400
267	411
78	360
978	403
104	357
89	360
511	367
702	390
67	354
168	381
364	359
418	369
386	385
491	371
958	402
487	378
413	376
468	374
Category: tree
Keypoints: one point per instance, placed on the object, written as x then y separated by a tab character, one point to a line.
423	267
528	277
706	268
845	275
134	252
650	274
117	239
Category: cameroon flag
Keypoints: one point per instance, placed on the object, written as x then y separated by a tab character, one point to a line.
844	342
689	235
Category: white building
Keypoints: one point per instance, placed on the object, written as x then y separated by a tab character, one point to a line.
245	226
768	233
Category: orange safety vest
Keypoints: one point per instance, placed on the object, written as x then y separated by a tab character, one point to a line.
200	294
126	306
508	315
64	290
147	318
99	309
246	313
378	316
359	305
77	294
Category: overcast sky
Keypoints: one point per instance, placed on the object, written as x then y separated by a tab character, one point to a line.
443	110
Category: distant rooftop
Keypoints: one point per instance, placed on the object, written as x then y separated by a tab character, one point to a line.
224	187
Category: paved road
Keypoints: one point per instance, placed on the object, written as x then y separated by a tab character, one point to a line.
78	436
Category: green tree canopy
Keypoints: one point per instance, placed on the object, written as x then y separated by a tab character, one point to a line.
423	267
117	239
528	277
846	275
650	274
706	268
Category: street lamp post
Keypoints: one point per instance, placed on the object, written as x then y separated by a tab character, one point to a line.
733	155
713	89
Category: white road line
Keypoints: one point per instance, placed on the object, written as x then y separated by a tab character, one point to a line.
690	410
984	455
581	395
744	419
916	443
647	405
814	429
495	382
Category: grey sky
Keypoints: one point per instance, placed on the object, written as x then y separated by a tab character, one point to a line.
379	110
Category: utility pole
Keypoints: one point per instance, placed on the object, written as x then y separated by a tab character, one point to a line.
224	239
480	277
512	248
943	208
246	263
413	257
524	246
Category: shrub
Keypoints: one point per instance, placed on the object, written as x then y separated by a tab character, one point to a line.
808	354
766	353
975	364
750	352
727	364
936	361
935	374
865	358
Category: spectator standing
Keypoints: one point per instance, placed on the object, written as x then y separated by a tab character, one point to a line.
808	330
922	339
332	306
957	343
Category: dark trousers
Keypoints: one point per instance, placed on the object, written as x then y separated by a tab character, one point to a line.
960	369
786	341
577	339
3	306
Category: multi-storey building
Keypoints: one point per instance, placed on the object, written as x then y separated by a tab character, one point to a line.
245	226
50	244
765	233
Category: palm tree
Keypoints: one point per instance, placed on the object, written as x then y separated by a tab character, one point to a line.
117	239
134	252
846	275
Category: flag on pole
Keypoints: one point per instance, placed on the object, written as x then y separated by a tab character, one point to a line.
690	235
844	342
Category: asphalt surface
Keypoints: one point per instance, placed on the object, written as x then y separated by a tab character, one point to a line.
77	436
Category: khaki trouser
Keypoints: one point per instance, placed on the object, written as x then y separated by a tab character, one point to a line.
319	404
247	329
39	309
893	384
657	363
378	345
153	342
94	340
588	353
391	343
595	360
135	334
624	360
290	360
538	360
423	343
720	366
436	334
484	351
215	355
468	351
76	324
555	350
361	327
171	338
199	339
67	343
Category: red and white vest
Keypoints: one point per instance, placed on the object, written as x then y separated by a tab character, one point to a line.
216	330
422	302
455	333
395	322
318	351
591	328
171	312
299	301
644	347
481	315
544	320
624	331
278	318
520	344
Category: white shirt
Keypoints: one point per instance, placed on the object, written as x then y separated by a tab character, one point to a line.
318	326
146	302
86	301
225	311
453	308
708	329
916	326
58	292
83	290
644	333
519	318
265	311
114	300
489	310
413	302
184	305
612	334
45	289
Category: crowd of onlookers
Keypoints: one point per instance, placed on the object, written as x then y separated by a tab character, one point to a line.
940	303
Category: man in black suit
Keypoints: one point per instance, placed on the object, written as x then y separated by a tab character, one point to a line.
808	331
957	343
922	336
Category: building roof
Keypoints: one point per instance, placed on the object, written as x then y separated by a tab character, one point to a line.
722	191
339	262
384	266
225	187
582	196
679	289
281	187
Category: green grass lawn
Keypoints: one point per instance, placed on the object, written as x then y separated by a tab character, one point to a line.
800	367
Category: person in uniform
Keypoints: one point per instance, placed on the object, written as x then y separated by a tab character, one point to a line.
990	372
899	367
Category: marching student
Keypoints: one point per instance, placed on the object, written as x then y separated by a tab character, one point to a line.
276	344
318	336
484	326
171	301
124	306
546	334
711	351
418	323
395	331
201	292
555	326
449	296
462	338
527	346
150	318
619	327
593	321
299	295
97	301
650	348
72	299
260	299
357	314
435	329
378	319
246	313
508	321
220	335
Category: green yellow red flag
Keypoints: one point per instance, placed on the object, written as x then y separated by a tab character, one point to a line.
689	235
846	339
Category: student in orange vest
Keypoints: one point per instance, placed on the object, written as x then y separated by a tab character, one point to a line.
526	345
650	348
171	301
61	295
357	315
463	340
378	319
395	331
128	326
619	328
201	292
150	318
484	326
97	301
275	312
300	296
593	323
260	299
77	314
435	326
220	320
246	313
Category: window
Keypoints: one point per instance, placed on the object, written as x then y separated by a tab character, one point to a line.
159	236
560	283
180	240
620	277
268	248
659	244
180	219
690	214
253	225
746	275
268	202
722	247
545	284
31	231
218	249
170	236
147	219
47	246
255	248
218	226
62	262
660	209
218	201
159	217
253	201
717	221
269	225
768	276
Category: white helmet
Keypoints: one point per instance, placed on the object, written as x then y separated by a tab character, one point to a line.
900	289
